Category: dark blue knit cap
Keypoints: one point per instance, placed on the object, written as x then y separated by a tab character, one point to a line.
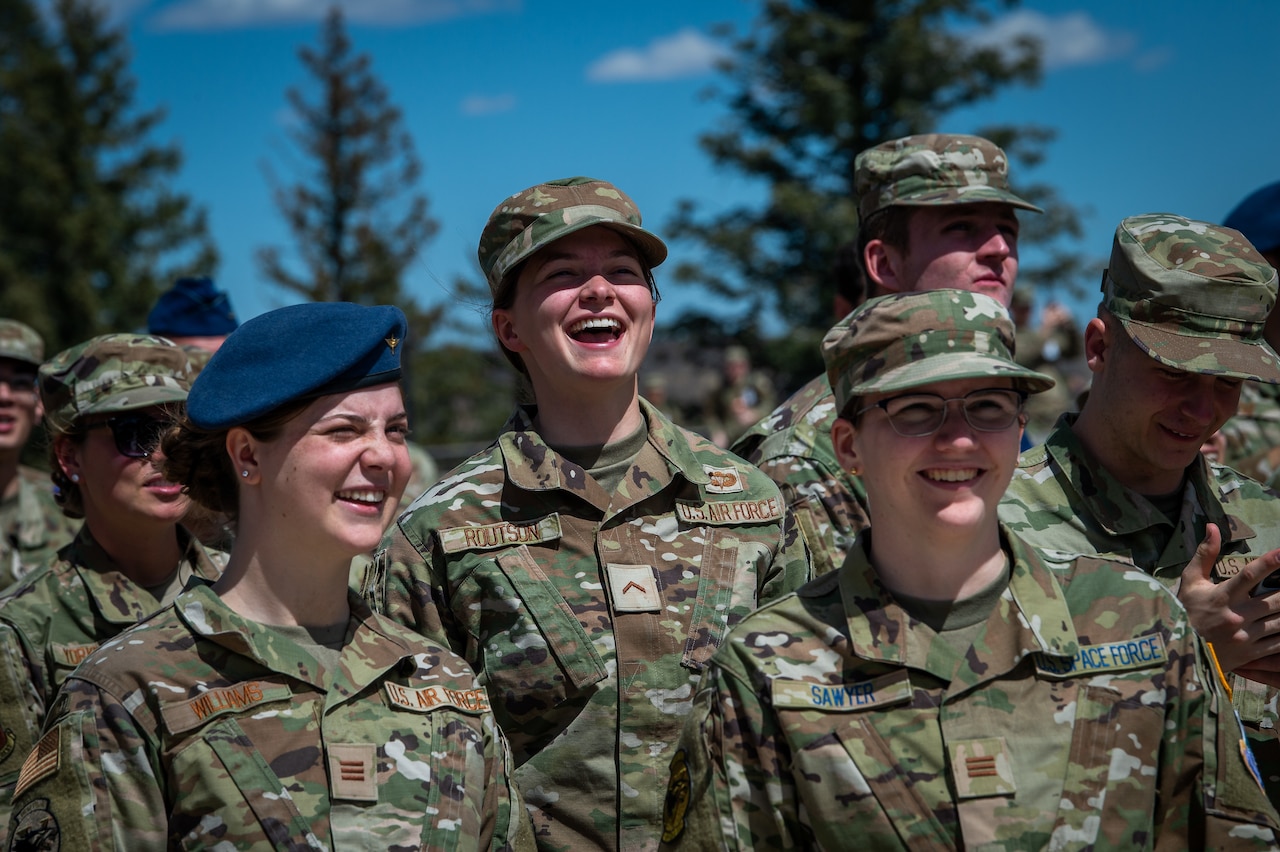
296	353
192	307
1258	218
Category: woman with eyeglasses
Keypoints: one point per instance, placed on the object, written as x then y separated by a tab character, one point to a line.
272	709
947	688
106	401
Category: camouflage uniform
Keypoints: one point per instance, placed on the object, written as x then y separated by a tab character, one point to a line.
1253	434
1065	503
1194	297
52	620
242	742
587	615
833	720
32	527
793	448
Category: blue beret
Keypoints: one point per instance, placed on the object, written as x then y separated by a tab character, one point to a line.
1258	218
296	353
193	307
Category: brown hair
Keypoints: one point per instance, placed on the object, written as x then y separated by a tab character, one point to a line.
197	458
892	226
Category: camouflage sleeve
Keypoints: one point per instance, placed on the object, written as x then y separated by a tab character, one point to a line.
507	827
405	583
730	784
1205	755
826	510
21	714
91	782
790	568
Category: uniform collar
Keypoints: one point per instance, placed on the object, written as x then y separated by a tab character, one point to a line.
1030	617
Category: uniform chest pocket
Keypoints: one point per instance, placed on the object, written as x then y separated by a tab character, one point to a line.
530	638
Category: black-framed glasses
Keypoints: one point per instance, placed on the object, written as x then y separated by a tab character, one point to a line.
136	434
914	415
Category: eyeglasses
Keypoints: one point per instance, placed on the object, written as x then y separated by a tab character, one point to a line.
136	435
914	415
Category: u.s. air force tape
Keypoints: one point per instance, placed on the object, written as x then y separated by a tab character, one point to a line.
725	512
1140	652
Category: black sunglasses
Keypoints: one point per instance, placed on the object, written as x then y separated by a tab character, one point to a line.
136	434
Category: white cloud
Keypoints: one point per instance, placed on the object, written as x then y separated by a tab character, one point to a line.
233	14
1070	39
488	104
688	53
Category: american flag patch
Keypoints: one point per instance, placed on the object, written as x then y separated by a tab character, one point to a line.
42	762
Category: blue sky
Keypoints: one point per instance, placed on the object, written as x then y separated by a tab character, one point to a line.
1159	107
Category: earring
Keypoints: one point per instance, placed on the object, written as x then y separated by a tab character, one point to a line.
855	470
244	473
75	477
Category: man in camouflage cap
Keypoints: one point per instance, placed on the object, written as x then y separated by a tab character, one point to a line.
103	401
945	688
32	527
1178	331
935	211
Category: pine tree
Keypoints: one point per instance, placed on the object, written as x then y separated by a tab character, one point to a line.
813	84
90	229
356	220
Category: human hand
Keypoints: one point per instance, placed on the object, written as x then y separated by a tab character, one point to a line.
1243	628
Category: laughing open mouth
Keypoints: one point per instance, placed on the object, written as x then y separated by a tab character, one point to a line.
596	330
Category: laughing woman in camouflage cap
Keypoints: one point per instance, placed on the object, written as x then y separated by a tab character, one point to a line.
106	402
590	560
946	689
272	709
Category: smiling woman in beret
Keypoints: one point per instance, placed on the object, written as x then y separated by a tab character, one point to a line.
273	708
588	562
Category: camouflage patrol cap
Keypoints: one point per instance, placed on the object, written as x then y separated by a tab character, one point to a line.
535	218
905	340
112	373
933	168
20	342
1193	296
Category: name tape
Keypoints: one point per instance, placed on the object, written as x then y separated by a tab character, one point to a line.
883	691
494	536
184	715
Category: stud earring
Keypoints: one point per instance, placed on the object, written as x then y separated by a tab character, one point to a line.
75	477
244	473
855	471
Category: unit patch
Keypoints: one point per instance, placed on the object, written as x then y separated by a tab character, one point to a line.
35	827
427	698
677	801
494	536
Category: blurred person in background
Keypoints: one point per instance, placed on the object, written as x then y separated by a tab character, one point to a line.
32	527
744	396
590	560
106	402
